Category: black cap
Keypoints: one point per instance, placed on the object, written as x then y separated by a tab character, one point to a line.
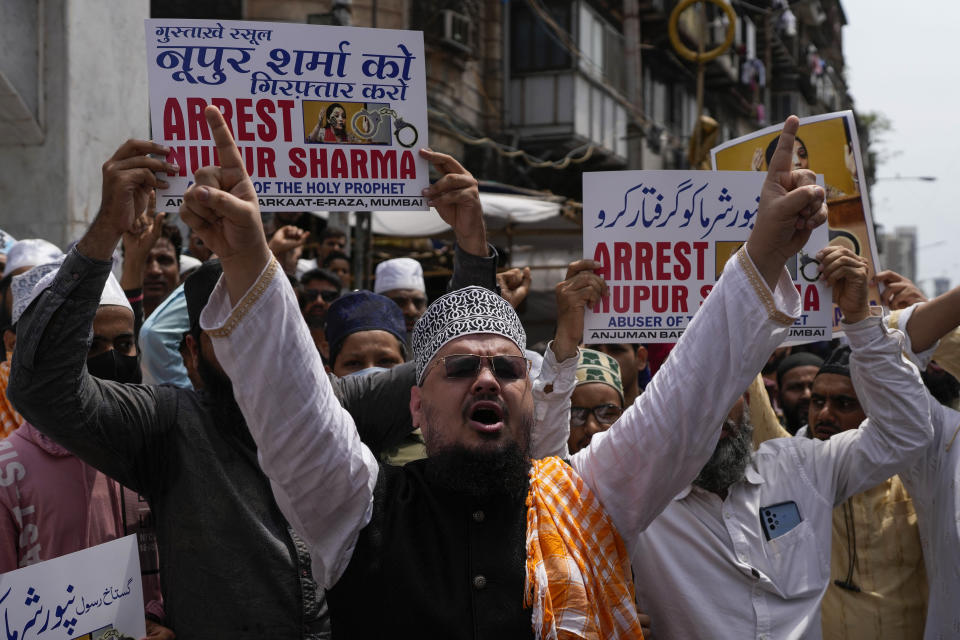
197	290
363	311
798	359
837	362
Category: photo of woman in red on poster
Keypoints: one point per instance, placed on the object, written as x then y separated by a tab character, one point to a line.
332	126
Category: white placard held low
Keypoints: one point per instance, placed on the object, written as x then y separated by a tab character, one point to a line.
662	239
94	594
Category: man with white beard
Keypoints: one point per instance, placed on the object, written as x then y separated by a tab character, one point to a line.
729	461
744	552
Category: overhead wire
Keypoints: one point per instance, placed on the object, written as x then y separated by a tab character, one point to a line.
508	151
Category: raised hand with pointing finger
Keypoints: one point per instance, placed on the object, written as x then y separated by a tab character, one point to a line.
221	207
456	198
791	206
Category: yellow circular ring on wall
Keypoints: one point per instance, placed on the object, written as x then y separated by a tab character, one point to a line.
706	56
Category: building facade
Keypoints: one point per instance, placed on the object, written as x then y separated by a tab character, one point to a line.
900	252
528	94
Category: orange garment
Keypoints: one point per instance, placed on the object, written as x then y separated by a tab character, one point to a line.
9	418
578	570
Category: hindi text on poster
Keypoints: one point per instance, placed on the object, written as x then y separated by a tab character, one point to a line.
334	127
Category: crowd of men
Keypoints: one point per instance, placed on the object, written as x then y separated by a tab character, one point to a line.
301	459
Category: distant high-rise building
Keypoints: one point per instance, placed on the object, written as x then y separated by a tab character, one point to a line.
900	252
940	286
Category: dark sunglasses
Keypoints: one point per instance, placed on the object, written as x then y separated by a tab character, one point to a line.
327	295
604	413
467	365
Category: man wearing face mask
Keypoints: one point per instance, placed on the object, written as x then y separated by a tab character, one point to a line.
232	566
51	502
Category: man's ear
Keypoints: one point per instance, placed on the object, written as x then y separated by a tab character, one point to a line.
641	356
416	406
193	351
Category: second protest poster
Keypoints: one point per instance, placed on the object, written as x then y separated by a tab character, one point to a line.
662	239
825	144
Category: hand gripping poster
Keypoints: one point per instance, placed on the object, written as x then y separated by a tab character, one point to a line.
662	239
325	117
826	144
94	594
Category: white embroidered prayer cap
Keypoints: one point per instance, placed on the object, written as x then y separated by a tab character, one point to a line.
30	253
466	311
399	273
27	286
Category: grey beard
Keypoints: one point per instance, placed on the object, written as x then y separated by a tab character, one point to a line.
729	461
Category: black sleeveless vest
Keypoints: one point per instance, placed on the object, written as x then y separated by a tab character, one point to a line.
434	564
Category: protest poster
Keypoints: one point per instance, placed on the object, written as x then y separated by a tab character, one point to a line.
662	239
826	144
94	594
325	117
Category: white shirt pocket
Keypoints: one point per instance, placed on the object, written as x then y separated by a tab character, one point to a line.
796	568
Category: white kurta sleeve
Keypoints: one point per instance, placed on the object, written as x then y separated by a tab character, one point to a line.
551	406
321	474
897	428
663	440
900	319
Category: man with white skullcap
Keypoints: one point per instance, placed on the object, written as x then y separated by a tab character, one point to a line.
478	539
22	257
401	280
220	532
57	504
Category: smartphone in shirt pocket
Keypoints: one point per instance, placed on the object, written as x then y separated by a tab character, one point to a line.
779	519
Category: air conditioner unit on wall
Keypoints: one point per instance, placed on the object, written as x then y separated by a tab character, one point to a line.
457	31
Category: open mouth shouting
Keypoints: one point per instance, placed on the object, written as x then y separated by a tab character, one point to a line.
486	416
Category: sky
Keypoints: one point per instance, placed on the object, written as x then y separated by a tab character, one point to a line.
902	61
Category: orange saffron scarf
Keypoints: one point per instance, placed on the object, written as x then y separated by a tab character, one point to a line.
578	576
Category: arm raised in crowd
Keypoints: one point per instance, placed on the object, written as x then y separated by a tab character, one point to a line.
663	440
116	428
287	246
899	292
937	320
554	386
933	319
456	198
888	387
515	285
322	475
137	243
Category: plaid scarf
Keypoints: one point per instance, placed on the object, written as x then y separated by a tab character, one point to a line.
578	576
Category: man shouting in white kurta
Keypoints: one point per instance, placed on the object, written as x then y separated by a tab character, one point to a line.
478	540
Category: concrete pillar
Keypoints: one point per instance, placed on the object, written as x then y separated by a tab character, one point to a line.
73	87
